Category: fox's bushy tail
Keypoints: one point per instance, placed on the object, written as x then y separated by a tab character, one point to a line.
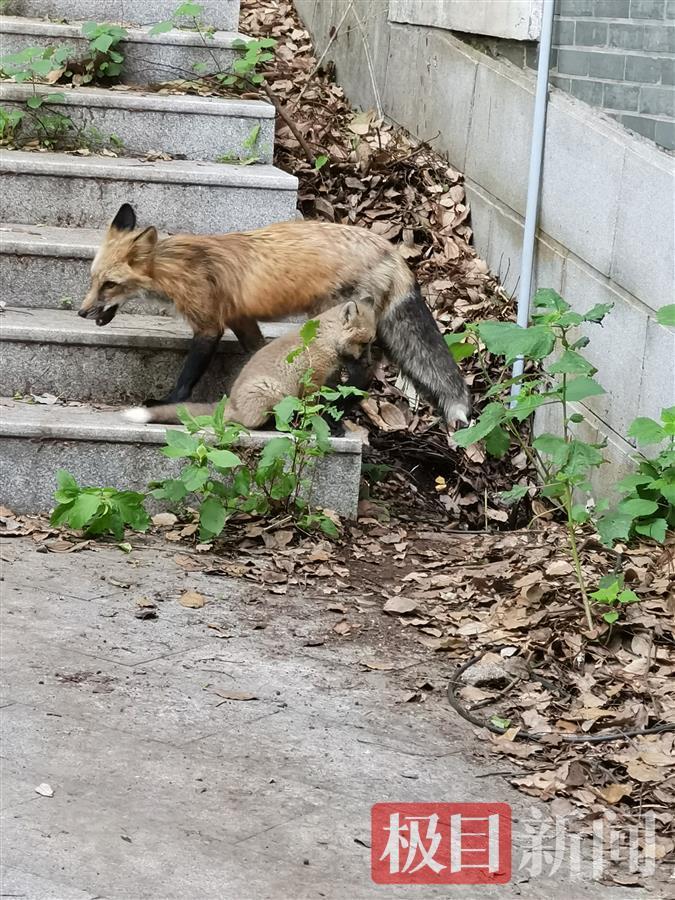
166	414
413	341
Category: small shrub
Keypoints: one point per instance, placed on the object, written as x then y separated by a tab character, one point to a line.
647	508
98	510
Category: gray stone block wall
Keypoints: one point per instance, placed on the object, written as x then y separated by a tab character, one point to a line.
619	55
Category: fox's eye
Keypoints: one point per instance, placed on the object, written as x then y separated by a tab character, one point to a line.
108	285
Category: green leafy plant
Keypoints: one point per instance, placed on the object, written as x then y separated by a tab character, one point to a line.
245	69
279	481
647	508
563	461
33	65
98	510
40	65
10	121
250	154
191	11
666	315
612	595
105	60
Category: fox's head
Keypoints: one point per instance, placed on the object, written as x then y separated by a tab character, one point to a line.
358	330
121	268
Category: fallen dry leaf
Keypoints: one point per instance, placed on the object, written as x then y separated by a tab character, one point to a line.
192	599
45	790
164	518
400	605
234	695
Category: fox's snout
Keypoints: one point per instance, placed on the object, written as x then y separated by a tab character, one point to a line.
102	314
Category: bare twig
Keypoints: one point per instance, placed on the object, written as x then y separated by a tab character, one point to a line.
287	119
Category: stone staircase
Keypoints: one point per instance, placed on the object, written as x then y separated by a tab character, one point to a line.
54	208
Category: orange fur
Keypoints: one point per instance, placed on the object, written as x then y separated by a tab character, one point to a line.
215	280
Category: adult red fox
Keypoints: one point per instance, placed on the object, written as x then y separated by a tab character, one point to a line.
343	340
234	280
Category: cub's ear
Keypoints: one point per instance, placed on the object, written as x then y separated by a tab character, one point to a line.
144	243
125	220
349	312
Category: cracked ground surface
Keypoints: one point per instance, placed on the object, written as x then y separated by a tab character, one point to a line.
166	787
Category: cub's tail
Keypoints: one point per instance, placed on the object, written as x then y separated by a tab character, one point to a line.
167	414
413	341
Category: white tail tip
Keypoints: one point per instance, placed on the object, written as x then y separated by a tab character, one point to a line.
138	414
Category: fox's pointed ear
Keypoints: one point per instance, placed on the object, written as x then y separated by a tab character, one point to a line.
144	243
349	312
125	220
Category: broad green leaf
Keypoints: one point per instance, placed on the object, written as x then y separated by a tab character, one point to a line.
102	42
328	527
526	404
581	457
83	509
34	102
179	444
553	446
320	161
668	491
66	482
459	347
277	448
610	617
572	363
189	9
638	507
582	387
60	513
628	597
646	431
549	299
500	722
492	415
517	492
655	529
497	442
224	459
614	526
630	482
194	478
161	27
172	489
285	410
321	432
212	516
511	341
309	331
598	312
580	514
666	315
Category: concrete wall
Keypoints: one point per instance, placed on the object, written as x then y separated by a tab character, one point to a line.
619	55
607	212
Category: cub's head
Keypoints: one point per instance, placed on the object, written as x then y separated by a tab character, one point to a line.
358	330
121	267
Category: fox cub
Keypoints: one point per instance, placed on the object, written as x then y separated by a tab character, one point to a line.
343	340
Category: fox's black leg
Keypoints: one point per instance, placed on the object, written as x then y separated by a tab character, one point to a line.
248	334
196	363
